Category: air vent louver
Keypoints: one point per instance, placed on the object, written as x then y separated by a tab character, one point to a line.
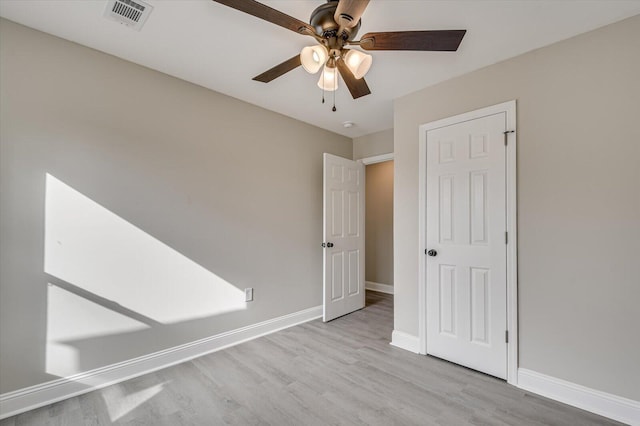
128	12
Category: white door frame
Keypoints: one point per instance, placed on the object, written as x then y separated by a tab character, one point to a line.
509	108
376	159
370	285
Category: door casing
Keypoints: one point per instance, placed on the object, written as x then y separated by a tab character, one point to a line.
509	108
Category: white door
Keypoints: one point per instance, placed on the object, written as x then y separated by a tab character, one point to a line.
466	239
343	236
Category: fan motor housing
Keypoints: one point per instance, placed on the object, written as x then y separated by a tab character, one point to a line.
322	19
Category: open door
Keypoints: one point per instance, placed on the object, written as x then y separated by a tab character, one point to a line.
343	245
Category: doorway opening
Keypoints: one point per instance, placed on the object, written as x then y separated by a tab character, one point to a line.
379	224
345	192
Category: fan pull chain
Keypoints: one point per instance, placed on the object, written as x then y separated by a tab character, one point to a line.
335	87
334	101
322	86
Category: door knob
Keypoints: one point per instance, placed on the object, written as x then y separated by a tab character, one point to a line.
432	253
329	245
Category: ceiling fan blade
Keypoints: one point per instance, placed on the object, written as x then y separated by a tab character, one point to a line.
357	87
279	70
348	12
269	14
444	40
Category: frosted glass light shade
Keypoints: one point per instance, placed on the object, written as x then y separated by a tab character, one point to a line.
313	58
358	62
328	79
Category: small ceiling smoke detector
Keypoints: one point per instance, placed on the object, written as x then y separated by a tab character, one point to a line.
131	13
348	124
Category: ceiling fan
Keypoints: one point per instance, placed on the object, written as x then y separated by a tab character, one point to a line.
335	25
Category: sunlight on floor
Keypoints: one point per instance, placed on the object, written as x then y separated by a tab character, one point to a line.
119	403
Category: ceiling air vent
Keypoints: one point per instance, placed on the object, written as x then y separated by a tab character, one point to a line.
128	12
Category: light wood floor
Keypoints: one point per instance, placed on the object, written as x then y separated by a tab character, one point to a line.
342	372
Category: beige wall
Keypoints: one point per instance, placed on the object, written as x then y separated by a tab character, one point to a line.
225	185
578	104
373	144
379	223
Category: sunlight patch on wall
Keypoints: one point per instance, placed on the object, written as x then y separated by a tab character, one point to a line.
70	318
93	249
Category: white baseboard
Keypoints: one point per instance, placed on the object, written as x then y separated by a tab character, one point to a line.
602	403
26	399
382	288
405	341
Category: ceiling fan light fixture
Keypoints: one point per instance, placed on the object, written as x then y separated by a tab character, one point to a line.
333	26
358	62
313	58
328	79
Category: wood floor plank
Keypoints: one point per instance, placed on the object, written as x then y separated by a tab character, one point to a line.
343	372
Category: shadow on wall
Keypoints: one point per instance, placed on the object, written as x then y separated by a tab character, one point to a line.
111	283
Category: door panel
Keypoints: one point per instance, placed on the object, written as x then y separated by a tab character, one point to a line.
478	211
354	272
337	284
466	224
354	214
344	230
336	213
480	305
447	293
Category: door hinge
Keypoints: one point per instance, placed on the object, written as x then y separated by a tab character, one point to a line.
506	237
506	133
506	336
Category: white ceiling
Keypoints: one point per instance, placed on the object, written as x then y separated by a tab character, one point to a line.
222	49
